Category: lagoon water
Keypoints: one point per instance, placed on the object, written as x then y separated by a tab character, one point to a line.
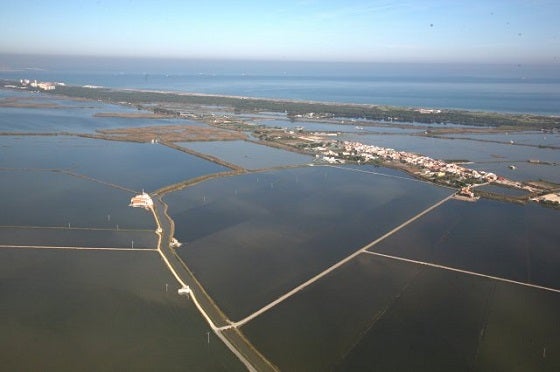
45	113
535	138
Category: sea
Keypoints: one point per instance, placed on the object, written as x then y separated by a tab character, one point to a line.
514	88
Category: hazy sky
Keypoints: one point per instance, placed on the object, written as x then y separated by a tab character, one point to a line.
512	31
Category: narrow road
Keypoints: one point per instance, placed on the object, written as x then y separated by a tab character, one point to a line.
254	361
78	248
463	271
78	175
74	228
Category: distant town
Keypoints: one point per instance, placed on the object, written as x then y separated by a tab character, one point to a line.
41	85
424	167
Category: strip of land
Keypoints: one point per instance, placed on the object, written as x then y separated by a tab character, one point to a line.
302	108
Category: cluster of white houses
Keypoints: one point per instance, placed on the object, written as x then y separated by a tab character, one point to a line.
431	167
341	151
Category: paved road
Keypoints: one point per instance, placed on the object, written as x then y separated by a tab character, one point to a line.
463	271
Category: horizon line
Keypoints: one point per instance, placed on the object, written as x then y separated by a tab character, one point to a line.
269	59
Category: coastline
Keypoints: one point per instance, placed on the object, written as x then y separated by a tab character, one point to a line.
293	108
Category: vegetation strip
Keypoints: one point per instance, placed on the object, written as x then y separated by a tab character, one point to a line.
294	108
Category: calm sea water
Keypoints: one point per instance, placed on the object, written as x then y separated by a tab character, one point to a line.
509	88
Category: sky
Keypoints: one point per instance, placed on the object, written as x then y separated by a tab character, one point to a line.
472	31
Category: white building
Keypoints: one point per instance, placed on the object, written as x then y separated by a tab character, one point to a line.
141	201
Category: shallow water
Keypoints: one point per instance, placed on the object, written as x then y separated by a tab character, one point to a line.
439	148
250	238
445	321
132	165
78	237
535	138
54	199
94	311
380	314
501	239
68	115
247	154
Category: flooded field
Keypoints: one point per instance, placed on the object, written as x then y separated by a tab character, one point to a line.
494	238
42	113
41	198
314	329
247	154
380	314
94	311
69	309
78	237
132	165
250	238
